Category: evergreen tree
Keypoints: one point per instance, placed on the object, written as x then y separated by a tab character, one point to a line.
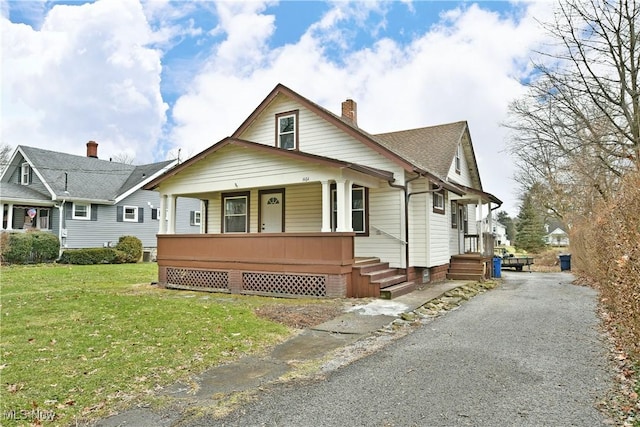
529	227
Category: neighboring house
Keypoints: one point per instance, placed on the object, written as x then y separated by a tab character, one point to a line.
300	201
558	237
85	201
498	230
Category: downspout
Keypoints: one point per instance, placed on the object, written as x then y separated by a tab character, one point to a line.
404	188
60	216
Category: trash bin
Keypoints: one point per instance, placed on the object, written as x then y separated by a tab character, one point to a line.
497	267
565	262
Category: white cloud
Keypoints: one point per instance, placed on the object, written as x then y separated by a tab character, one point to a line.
466	68
86	74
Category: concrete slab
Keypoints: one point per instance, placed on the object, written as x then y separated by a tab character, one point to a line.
355	323
311	344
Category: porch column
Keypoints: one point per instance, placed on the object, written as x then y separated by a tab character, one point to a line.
343	206
326	207
349	205
162	229
481	231
171	226
10	217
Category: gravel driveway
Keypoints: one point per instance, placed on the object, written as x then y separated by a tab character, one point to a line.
527	353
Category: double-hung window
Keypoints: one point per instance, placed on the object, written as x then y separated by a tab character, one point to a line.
438	200
458	158
25	174
287	130
81	211
130	214
454	214
235	213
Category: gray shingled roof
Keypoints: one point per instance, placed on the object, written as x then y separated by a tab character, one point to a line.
18	191
430	148
87	177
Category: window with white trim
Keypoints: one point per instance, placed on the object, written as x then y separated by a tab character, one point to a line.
438	200
287	132
235	213
25	174
130	214
81	211
195	218
458	158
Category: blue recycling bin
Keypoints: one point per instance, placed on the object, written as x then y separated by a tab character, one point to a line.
497	267
565	262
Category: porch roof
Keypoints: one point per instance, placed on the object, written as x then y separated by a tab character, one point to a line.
21	193
326	161
483	195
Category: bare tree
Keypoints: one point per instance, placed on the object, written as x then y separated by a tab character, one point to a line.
577	130
5	155
123	158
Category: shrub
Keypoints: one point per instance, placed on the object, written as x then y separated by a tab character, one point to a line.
93	256
45	247
30	247
131	246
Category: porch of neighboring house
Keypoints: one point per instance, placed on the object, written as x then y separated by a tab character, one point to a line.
17	217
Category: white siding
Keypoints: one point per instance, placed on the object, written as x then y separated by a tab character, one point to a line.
386	212
438	234
303	208
316	136
418	249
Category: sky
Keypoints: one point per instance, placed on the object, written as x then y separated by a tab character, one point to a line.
146	78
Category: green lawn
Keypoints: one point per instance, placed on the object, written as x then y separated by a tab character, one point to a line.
79	341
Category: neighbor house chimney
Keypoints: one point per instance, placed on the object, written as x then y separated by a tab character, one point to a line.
92	149
350	111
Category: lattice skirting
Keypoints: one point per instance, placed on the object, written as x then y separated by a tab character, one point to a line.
263	283
287	284
185	278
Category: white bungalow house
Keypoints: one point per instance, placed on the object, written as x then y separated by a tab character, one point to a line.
300	201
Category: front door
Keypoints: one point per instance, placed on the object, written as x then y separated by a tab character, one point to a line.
271	211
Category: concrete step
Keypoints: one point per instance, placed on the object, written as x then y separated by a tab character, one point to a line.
396	290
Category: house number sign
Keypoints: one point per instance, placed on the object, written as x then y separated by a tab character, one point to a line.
305	179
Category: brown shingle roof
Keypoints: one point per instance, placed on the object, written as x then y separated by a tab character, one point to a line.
431	148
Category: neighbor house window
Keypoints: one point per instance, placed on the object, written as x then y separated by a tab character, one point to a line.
194	218
458	159
25	174
130	214
287	130
81	211
454	214
359	210
235	209
438	200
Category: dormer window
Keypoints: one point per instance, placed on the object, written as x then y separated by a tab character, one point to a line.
25	174
287	130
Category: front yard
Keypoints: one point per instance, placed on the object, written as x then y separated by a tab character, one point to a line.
80	341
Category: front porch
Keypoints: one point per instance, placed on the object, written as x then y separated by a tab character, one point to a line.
275	264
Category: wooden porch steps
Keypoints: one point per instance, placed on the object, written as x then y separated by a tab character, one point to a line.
467	267
372	278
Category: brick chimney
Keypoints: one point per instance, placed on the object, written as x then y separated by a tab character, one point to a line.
350	111
92	149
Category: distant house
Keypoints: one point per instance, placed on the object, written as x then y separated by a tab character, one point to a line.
558	237
300	201
499	231
85	201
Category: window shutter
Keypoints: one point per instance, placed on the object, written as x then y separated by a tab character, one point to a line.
94	212
30	175
140	214
119	213
154	213
192	217
68	210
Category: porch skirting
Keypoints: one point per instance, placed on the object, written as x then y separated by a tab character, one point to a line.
283	264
